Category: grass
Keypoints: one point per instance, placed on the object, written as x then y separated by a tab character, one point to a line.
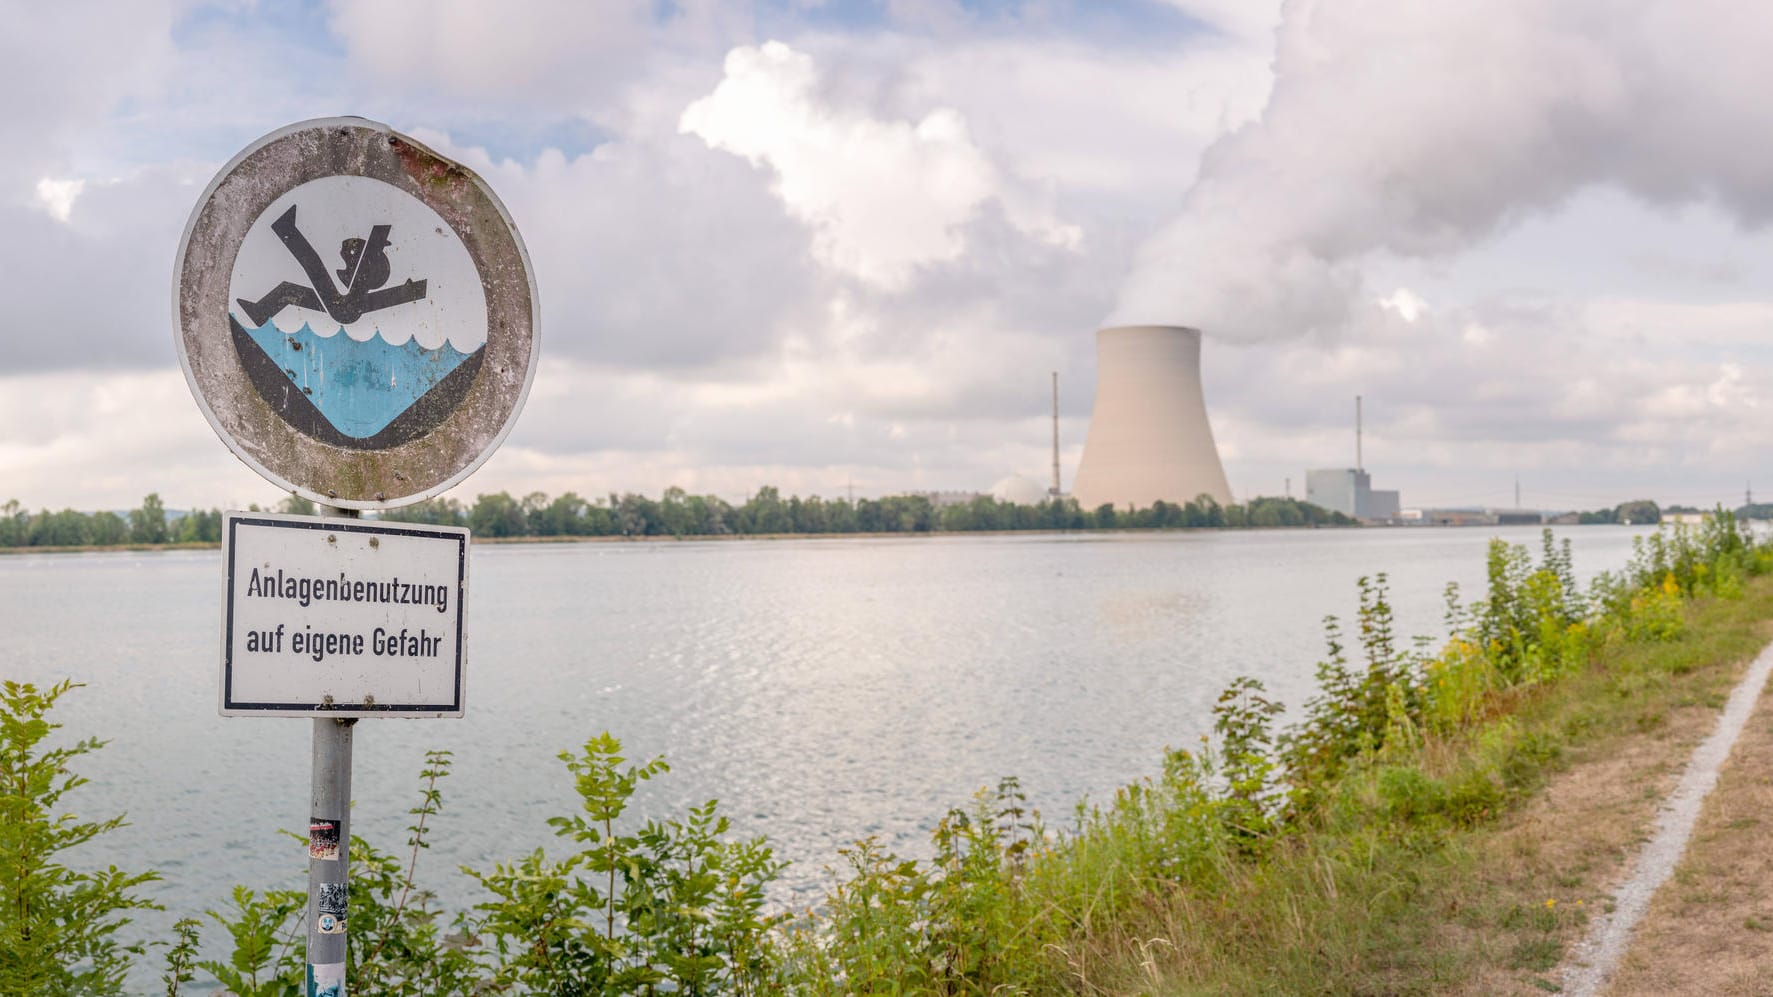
1365	907
1397	841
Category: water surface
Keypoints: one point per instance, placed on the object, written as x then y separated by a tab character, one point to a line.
822	690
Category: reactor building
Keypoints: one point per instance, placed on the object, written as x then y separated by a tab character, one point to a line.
1149	439
1349	490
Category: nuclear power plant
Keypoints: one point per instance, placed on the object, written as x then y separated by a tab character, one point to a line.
1149	438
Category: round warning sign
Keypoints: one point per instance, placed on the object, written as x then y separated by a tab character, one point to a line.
355	314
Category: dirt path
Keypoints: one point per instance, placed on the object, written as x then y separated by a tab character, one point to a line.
1553	863
1592	965
1550	875
1709	930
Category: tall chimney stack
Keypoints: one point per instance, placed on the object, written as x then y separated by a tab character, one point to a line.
1358	465
1055	492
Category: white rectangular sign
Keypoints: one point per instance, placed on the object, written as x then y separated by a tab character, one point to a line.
341	617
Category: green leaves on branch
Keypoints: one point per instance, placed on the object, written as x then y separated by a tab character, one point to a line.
672	905
58	926
267	957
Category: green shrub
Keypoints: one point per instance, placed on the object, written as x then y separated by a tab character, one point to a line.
670	906
58	926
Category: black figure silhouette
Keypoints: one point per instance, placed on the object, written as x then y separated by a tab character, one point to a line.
366	269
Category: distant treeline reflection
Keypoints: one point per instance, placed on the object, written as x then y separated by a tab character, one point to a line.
680	514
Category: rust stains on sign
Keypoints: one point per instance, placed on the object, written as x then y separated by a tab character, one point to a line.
355	313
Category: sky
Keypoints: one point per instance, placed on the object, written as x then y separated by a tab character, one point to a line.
842	245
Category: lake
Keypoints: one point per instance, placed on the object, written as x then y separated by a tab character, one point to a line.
822	690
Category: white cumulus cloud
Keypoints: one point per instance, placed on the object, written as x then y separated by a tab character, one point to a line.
57	196
884	197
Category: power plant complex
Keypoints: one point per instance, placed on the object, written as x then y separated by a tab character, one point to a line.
1149	438
1349	490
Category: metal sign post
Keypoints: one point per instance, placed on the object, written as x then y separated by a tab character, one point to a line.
365	377
329	845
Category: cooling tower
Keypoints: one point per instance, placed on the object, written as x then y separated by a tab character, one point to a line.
1149	437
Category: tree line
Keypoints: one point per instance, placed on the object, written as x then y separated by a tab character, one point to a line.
148	523
1643	512
676	513
1638	512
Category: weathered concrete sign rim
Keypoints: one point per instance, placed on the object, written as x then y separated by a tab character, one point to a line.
443	437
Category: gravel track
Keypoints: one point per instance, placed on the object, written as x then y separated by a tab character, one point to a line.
1594	959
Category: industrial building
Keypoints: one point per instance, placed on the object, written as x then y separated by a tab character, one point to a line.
1149	439
1349	491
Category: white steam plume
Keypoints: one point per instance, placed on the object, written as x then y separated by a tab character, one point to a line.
1417	129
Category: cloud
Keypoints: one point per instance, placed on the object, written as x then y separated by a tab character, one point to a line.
68	74
1420	131
1573	396
654	253
1249	20
482	52
89	288
102	441
863	251
885	197
57	197
1039	107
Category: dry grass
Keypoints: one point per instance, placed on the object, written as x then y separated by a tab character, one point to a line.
1560	854
1709	930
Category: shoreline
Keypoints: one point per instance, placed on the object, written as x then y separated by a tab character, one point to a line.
709	537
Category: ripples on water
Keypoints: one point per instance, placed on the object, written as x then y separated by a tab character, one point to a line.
823	690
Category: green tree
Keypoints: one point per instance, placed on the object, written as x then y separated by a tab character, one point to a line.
498	515
1105	519
765	512
711	515
58	926
147	524
675	515
295	505
15	524
600	520
840	516
107	528
60	529
535	516
431	512
200	526
566	515
636	515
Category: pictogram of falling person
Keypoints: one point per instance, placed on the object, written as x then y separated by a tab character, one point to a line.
366	269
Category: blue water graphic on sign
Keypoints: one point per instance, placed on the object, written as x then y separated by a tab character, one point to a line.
360	387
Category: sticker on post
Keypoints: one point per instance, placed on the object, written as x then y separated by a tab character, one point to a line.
323	839
330	908
326	979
